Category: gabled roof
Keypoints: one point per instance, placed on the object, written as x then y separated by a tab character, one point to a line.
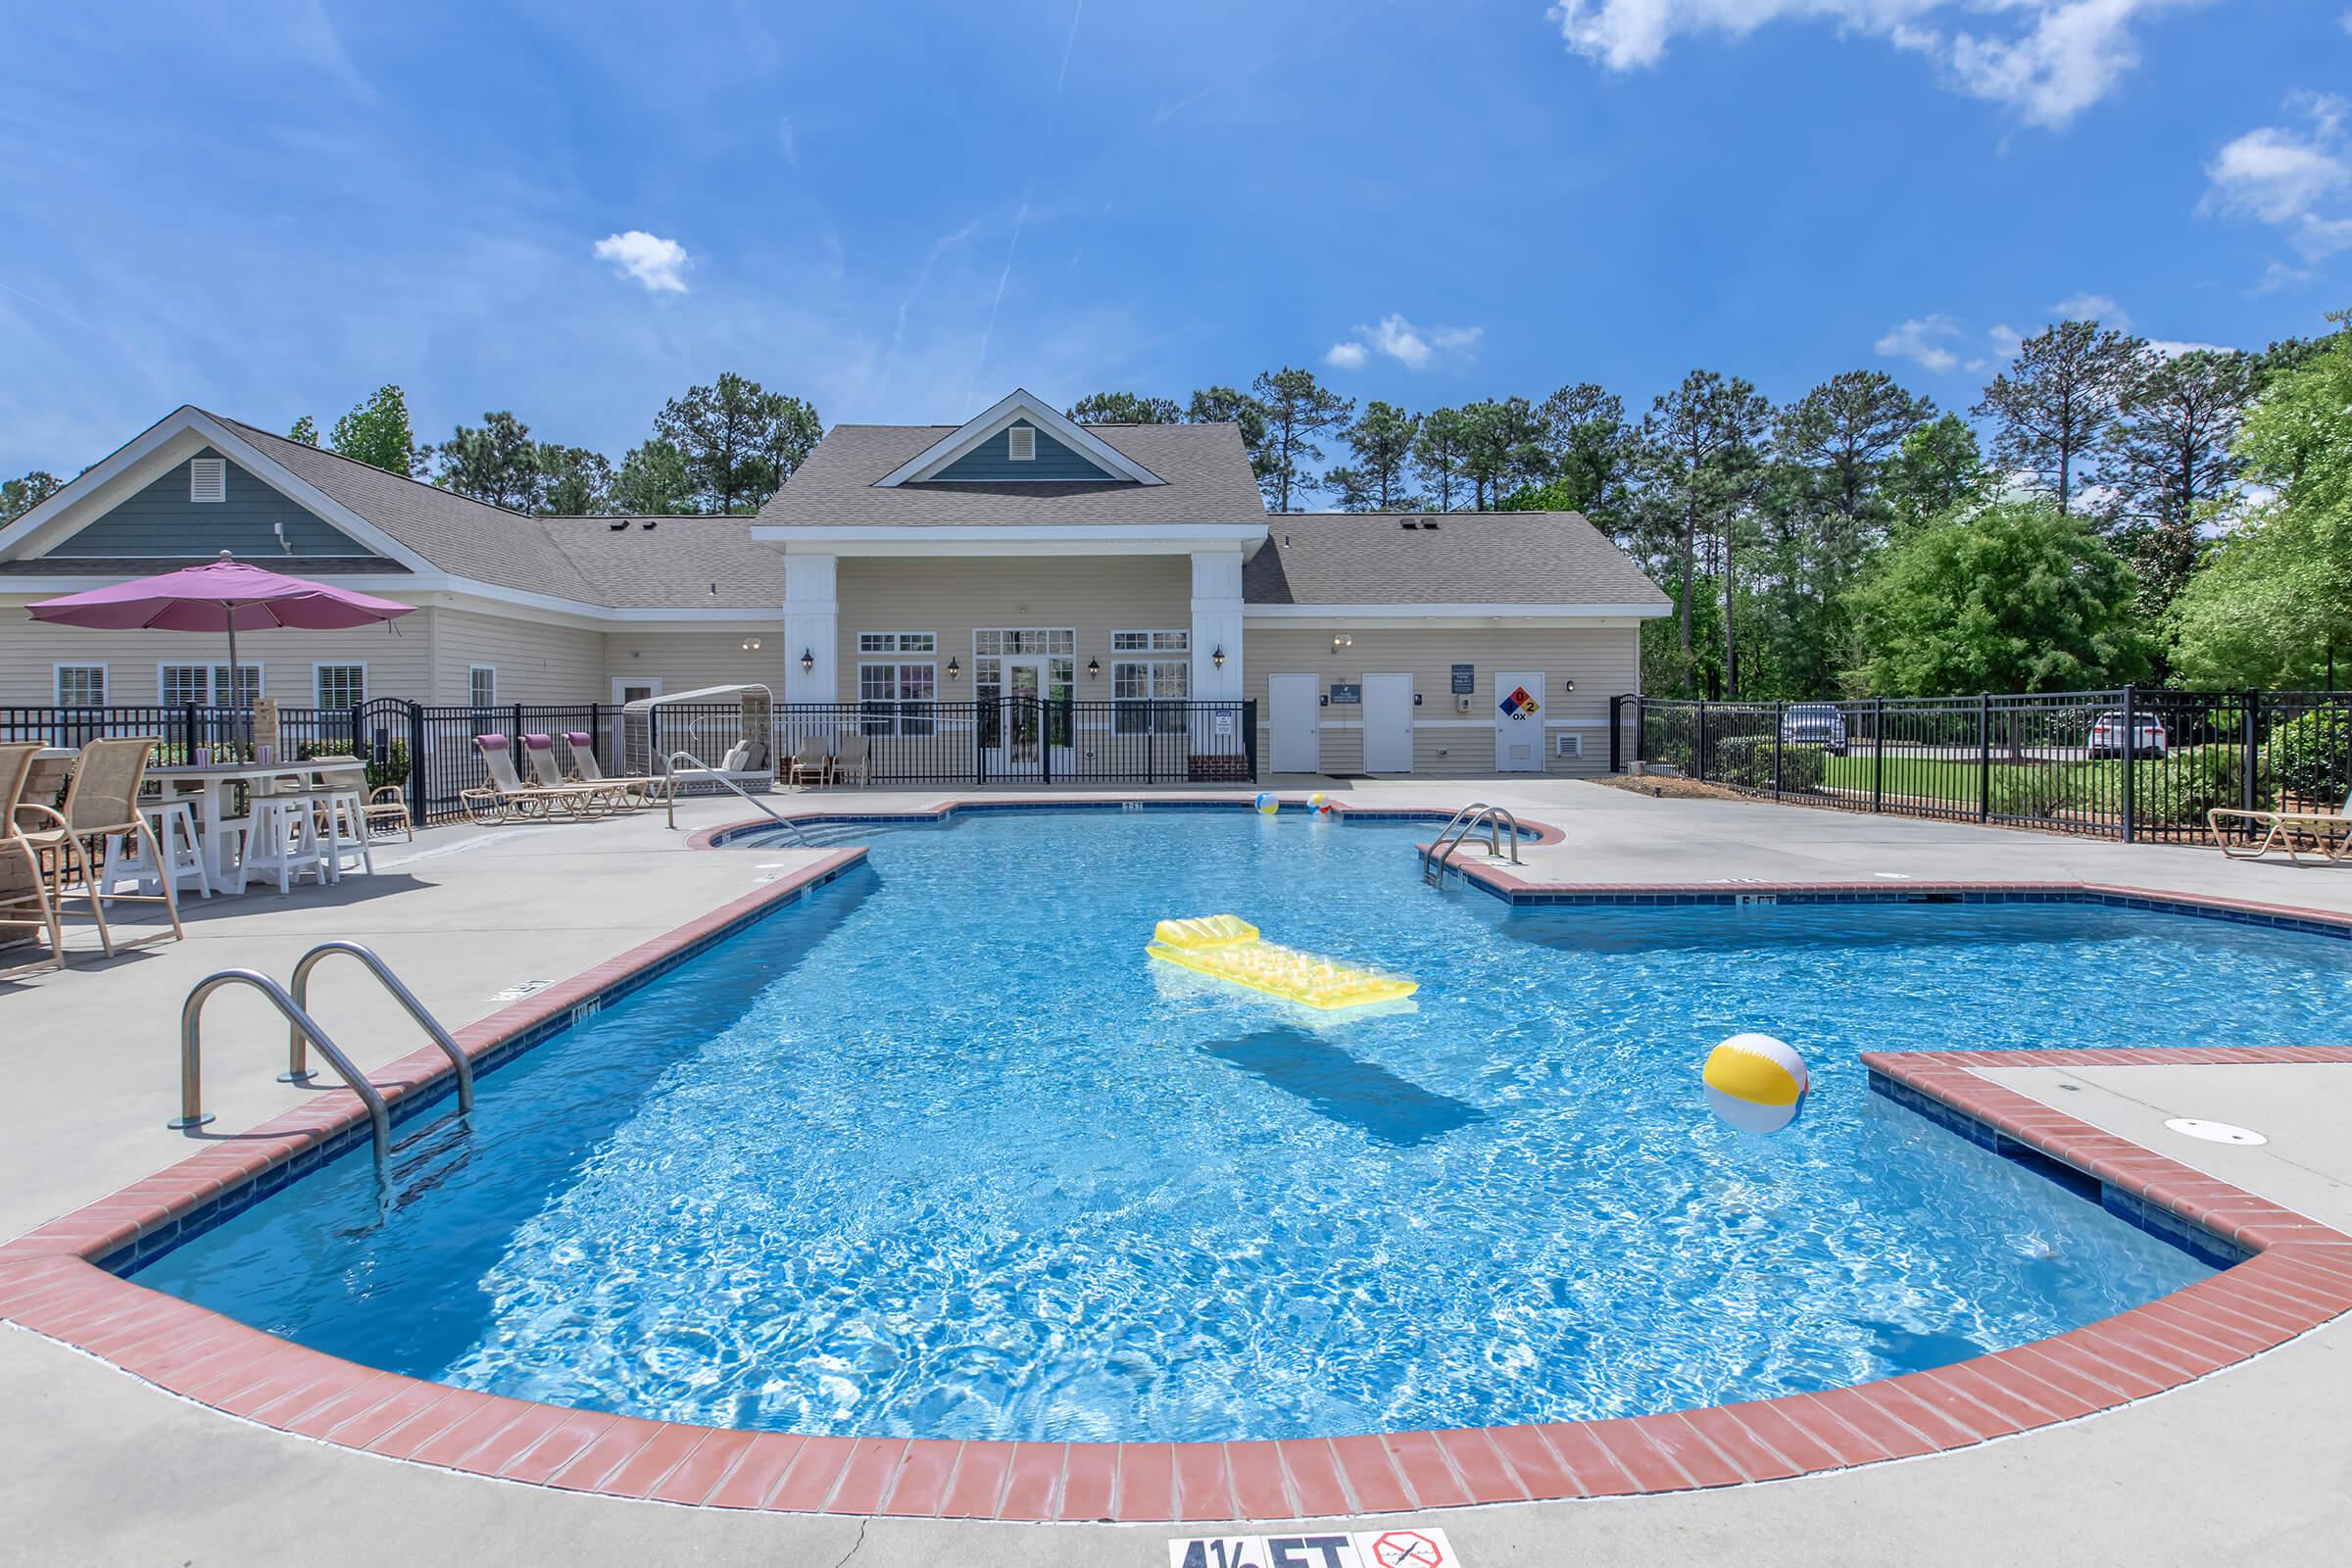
1021	406
1468	558
1203	469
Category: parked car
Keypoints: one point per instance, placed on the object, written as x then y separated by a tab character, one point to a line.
2148	737
1814	724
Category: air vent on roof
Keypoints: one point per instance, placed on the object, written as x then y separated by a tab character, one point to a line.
1408	525
1021	443
208	478
648	525
618	525
1428	524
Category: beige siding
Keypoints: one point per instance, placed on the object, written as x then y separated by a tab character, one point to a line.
1094	595
688	660
1446	741
395	656
536	661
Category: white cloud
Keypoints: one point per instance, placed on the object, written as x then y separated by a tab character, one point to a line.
2099	308
1413	347
2173	348
2046	59
2295	177
1923	339
657	262
2007	341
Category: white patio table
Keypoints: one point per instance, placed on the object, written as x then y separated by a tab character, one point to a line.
212	791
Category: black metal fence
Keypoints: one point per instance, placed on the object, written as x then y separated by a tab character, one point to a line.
431	752
2134	764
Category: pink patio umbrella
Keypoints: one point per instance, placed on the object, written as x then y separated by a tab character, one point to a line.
225	596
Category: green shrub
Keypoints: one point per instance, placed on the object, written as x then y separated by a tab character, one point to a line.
1746	761
2312	755
2182	788
393	769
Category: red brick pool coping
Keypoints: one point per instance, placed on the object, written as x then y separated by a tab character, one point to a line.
2298	1277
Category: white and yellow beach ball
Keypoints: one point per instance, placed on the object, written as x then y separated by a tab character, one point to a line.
1757	1082
1268	804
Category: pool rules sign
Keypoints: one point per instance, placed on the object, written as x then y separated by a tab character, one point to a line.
1363	1548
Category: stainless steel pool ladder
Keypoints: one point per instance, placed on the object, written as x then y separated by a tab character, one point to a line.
304	1032
1465	823
672	796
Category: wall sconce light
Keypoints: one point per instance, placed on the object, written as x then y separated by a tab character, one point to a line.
1093	669
1566	685
1218	658
953	668
807	661
1342	640
751	645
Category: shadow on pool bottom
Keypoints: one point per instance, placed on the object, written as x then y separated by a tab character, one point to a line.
1359	1094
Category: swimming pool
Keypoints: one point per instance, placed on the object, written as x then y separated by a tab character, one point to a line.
937	1152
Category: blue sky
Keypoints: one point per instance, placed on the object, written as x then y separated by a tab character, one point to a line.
900	211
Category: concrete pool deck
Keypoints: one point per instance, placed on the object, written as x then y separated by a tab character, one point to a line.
2250	1459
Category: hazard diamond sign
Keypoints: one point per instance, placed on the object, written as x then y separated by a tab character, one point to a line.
1521	703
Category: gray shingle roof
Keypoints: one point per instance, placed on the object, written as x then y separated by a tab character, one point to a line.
457	533
1471	558
1206	466
678	563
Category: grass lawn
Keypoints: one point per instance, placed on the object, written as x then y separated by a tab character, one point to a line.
1956	781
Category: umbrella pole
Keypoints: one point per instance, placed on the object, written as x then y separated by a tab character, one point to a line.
230	699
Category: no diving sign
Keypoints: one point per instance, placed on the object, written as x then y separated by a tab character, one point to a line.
1364	1548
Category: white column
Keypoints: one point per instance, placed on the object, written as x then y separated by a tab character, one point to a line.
1216	625
811	624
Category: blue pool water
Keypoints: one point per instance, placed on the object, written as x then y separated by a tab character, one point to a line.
939	1153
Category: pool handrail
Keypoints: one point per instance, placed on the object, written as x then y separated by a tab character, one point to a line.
192	1113
672	766
1458	829
297	1066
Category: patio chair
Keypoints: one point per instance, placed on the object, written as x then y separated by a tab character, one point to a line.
23	887
647	789
607	795
813	763
102	802
506	792
853	760
2329	833
388	812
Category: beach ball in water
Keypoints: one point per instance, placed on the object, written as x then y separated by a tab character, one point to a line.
1268	804
1318	803
1757	1082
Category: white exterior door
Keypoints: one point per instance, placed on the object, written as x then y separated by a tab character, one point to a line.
1295	721
1519	721
1387	723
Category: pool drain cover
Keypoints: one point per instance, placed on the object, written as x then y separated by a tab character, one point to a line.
2215	1132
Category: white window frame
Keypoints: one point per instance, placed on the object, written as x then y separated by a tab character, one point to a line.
1015	445
473	700
56	683
1135	654
319	667
211	669
213	473
898	714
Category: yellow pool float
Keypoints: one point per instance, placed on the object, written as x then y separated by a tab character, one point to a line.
1225	947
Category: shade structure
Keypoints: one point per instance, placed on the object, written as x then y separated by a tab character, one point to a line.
226	594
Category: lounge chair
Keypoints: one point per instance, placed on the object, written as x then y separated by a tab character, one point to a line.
608	795
388	812
506	792
813	763
636	789
745	765
101	803
2329	833
23	887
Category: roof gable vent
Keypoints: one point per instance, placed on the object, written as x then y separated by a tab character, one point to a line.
208	479
1020	443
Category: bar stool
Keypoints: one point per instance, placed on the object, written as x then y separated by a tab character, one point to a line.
173	823
345	821
281	840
